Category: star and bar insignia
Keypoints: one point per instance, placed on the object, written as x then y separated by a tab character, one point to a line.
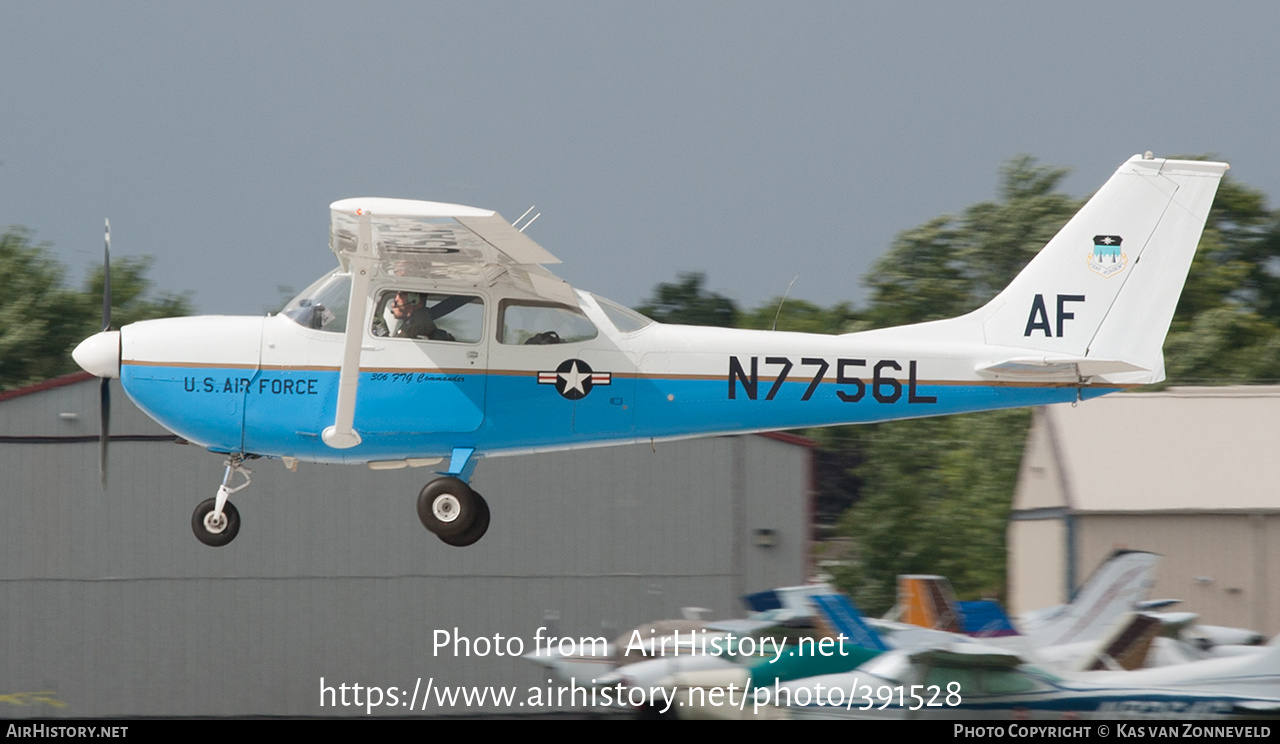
574	379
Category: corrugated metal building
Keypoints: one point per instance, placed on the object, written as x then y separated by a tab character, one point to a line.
112	608
1190	473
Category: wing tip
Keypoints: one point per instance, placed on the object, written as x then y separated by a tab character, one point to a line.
382	206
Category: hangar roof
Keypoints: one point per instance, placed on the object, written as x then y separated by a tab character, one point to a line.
1185	448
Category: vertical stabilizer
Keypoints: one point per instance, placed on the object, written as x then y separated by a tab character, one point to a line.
1101	294
1111	591
840	613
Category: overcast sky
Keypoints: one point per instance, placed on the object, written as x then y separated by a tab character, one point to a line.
751	141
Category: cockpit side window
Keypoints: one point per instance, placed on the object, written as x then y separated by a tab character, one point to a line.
536	323
323	305
428	316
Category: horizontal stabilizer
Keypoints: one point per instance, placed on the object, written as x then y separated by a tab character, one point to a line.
1071	369
1173	623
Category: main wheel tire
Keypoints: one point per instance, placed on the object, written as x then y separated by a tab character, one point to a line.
477	528
447	507
215	533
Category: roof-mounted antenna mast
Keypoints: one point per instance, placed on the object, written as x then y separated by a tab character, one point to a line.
526	214
784	299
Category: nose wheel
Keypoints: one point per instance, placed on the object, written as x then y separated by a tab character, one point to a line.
456	514
215	529
216	521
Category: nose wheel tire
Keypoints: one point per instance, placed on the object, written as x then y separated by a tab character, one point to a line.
215	532
448	507
477	529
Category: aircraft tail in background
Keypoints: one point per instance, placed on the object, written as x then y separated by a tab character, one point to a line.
1113	590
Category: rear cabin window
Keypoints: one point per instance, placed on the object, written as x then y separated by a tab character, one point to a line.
541	323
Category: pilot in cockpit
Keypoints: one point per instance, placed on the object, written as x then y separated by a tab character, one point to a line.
406	316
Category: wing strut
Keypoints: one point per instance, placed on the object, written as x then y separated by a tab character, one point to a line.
361	264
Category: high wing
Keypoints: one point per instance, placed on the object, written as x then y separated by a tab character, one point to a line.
374	236
444	241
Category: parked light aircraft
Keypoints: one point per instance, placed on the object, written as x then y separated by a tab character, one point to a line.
1118	586
441	339
1098	630
993	682
650	661
1107	625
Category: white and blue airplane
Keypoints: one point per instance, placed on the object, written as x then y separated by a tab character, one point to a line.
441	339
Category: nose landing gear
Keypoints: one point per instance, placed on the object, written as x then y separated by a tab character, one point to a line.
216	521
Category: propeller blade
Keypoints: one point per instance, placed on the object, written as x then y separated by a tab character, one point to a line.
104	388
106	279
104	434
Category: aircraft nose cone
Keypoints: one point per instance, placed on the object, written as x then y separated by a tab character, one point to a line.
99	355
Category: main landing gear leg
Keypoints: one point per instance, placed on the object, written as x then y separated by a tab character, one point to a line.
216	521
448	507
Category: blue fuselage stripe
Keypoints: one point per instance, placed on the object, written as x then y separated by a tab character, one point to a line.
427	414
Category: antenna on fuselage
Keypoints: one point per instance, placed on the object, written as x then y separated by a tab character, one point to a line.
516	224
784	299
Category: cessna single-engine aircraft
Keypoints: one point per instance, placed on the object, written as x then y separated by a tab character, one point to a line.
440	339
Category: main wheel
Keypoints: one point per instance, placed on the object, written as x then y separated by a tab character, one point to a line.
447	507
215	532
477	528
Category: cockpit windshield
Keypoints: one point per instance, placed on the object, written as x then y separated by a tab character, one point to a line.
624	319
323	305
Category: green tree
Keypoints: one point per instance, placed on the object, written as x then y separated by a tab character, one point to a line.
935	493
802	316
41	319
688	301
1227	325
33	308
935	499
837	474
1226	344
131	296
951	265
